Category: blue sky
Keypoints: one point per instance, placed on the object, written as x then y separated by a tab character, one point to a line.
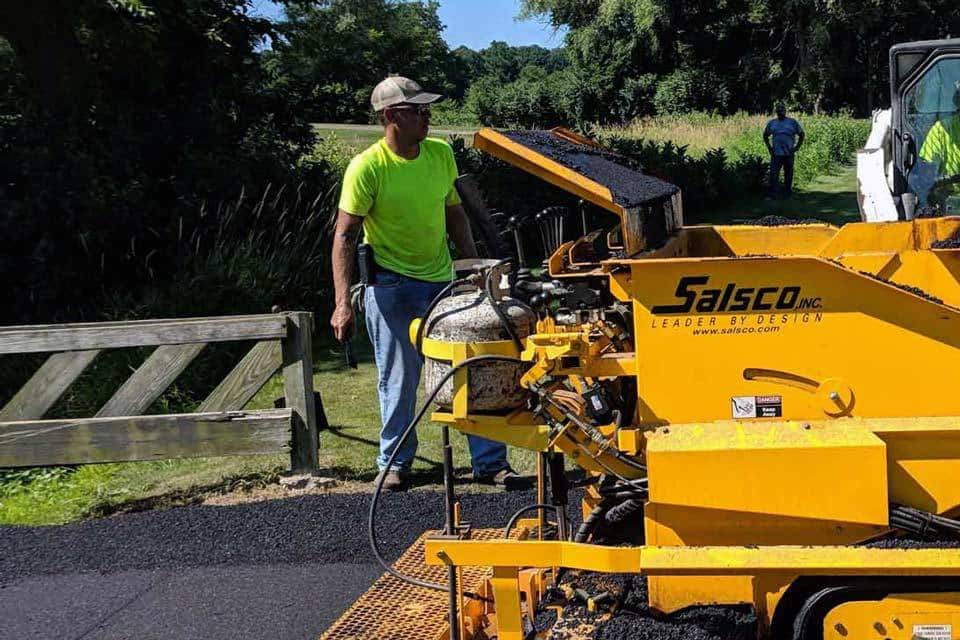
474	23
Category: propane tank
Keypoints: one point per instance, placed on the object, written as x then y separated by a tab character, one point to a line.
469	317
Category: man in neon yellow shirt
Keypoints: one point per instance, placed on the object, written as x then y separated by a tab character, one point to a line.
942	144
400	191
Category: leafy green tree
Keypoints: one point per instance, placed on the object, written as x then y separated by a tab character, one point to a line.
331	54
120	118
821	56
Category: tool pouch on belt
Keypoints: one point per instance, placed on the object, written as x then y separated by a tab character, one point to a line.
368	268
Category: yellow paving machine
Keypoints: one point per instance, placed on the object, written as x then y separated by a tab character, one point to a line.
766	416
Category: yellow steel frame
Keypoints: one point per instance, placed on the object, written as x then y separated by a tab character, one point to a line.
696	561
782	469
500	146
903	616
716	563
456	352
817	360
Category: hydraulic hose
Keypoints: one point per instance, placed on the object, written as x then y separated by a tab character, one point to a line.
595	517
430	307
926	525
523	510
378	486
624	511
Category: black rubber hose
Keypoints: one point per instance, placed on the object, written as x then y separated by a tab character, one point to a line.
627	495
430	307
590	523
378	486
925	524
504	320
623	511
530	507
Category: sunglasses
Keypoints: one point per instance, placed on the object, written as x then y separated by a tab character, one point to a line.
419	109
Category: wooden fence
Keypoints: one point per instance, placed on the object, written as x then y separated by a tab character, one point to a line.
118	432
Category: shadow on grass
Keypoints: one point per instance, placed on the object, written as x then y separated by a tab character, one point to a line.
432	475
831	198
435	468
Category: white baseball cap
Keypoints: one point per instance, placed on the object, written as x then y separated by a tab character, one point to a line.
399	90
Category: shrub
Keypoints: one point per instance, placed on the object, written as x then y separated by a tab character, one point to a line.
452	114
730	159
537	99
688	90
708	179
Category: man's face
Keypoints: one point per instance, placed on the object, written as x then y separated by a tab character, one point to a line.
781	111
412	121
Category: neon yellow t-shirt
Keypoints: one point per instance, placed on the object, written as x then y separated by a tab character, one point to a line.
942	146
403	204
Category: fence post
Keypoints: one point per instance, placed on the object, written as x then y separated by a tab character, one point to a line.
298	388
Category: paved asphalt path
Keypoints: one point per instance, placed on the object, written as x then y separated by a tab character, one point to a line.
281	569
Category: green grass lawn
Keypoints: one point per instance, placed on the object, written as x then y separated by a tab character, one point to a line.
347	451
831	198
349	448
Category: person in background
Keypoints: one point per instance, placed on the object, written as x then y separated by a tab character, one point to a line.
783	137
400	192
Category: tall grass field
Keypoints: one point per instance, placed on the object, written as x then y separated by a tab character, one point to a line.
830	140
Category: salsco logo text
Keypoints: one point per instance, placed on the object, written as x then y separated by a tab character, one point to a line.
734	298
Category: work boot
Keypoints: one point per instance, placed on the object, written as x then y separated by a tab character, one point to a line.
394	480
506	477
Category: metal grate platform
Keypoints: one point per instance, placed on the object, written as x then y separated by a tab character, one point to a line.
394	610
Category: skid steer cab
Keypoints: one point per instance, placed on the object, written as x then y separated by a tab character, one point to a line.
910	166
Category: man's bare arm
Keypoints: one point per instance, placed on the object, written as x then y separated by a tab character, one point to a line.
458	228
800	138
344	257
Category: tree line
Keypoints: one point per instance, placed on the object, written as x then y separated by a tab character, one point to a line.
148	147
620	59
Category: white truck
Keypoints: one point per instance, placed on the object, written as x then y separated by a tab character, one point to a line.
900	173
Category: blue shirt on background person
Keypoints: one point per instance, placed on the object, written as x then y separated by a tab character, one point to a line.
784	132
787	135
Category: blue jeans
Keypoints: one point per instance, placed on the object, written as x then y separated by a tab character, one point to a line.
776	164
391	305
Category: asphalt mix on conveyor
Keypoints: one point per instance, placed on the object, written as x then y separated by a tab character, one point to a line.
275	569
628	186
626	615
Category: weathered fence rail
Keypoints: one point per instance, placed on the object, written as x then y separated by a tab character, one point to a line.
118	431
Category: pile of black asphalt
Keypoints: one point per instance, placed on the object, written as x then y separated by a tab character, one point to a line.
629	187
781	221
626	614
276	569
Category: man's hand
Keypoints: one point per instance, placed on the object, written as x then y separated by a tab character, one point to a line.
342	322
800	138
343	255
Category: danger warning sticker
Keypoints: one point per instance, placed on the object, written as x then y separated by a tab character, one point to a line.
756	407
932	632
